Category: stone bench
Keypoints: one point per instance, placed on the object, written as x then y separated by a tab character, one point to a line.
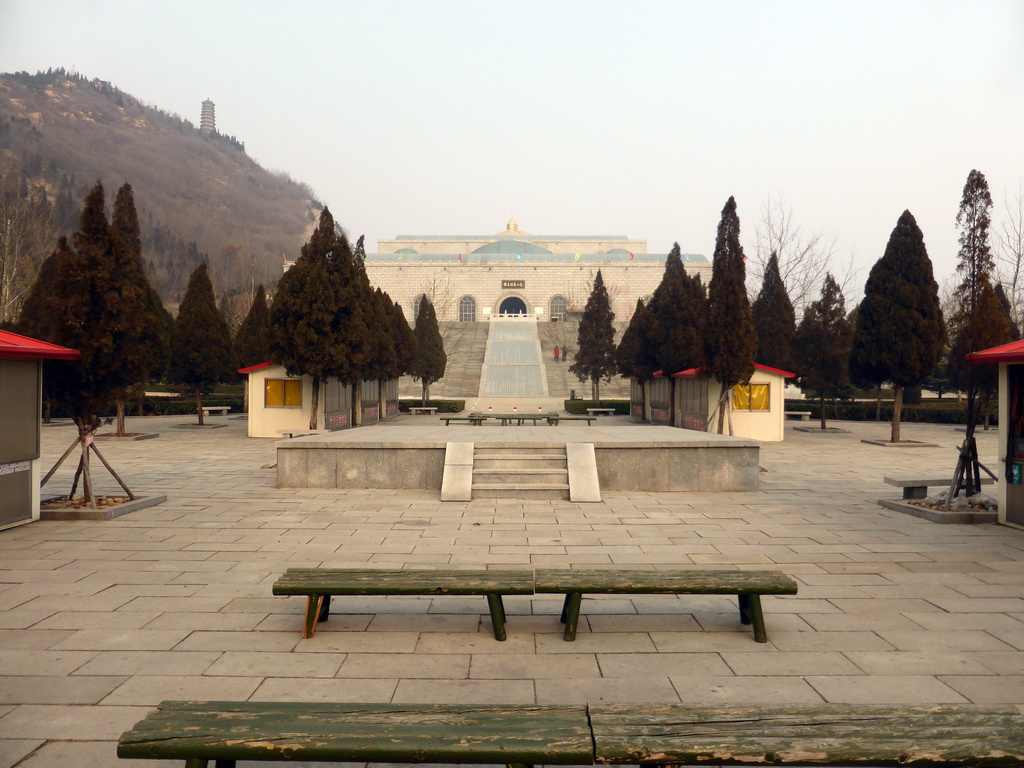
428	410
601	411
748	586
950	736
917	487
227	731
221	410
319	584
797	415
475	419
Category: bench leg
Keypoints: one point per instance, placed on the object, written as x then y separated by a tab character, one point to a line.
221	763
497	608
750	613
571	614
915	492
313	605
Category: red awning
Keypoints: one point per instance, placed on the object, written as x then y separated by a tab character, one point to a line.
691	372
1005	353
14	346
256	367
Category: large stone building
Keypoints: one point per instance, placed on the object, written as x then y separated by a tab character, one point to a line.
471	278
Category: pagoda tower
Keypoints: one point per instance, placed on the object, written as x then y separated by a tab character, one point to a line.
207	121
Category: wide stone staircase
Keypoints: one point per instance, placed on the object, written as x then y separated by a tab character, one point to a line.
560	381
466	344
517	473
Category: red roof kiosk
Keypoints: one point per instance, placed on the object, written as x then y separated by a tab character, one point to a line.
21	364
1010	493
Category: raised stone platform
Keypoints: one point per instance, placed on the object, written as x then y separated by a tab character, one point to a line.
629	457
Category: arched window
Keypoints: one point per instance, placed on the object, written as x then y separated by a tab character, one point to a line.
416	308
558	306
467	309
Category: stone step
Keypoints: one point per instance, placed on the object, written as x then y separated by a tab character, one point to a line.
521	491
519	476
507	461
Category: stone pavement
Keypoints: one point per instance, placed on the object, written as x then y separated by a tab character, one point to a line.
100	621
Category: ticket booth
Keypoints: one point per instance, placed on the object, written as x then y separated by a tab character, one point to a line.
1010	493
21	376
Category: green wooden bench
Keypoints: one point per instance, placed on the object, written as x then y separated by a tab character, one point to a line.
554	418
224	731
949	736
475	419
748	586
508	419
318	584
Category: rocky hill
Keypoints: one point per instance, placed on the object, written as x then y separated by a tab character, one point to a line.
198	194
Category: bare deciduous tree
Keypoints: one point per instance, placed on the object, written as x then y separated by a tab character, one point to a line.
27	234
1010	253
804	257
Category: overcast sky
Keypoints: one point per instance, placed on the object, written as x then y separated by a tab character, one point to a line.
583	118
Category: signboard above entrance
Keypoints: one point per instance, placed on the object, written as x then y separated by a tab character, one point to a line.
513	283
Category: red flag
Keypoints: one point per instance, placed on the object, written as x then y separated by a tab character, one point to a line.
630	256
460	257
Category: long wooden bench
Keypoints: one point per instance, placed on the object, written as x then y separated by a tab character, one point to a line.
938	736
199	731
319	584
554	418
748	586
824	735
475	419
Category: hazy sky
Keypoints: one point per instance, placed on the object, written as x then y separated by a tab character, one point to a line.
583	118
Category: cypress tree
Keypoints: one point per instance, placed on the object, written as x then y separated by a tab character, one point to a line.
430	361
405	339
822	344
313	316
1006	309
201	354
252	342
900	332
676	314
142	323
632	357
595	340
730	339
774	319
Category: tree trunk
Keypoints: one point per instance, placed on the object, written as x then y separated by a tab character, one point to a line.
86	433
199	405
821	402
878	403
597	392
721	409
314	402
897	409
120	431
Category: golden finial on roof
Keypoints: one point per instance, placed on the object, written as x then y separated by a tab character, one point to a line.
512	226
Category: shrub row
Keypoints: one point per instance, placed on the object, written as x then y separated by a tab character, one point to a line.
921	414
443	406
579	407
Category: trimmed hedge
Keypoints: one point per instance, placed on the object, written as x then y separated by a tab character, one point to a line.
911	414
443	406
579	407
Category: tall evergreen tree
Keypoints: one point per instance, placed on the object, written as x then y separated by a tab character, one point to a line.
774	319
822	344
676	314
252	342
632	357
972	316
314	318
430	361
201	354
97	310
730	339
900	333
595	340
405	339
143	323
1006	308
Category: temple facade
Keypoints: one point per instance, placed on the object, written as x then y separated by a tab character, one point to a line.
470	278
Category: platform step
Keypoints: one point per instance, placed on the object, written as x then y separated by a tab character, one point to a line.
519	475
521	491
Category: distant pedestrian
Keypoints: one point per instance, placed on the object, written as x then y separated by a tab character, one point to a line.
556	353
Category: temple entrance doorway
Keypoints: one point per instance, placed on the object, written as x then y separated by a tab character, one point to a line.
513	305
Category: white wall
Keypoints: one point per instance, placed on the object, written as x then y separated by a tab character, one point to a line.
267	422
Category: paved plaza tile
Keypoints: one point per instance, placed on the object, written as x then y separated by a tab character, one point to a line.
101	620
